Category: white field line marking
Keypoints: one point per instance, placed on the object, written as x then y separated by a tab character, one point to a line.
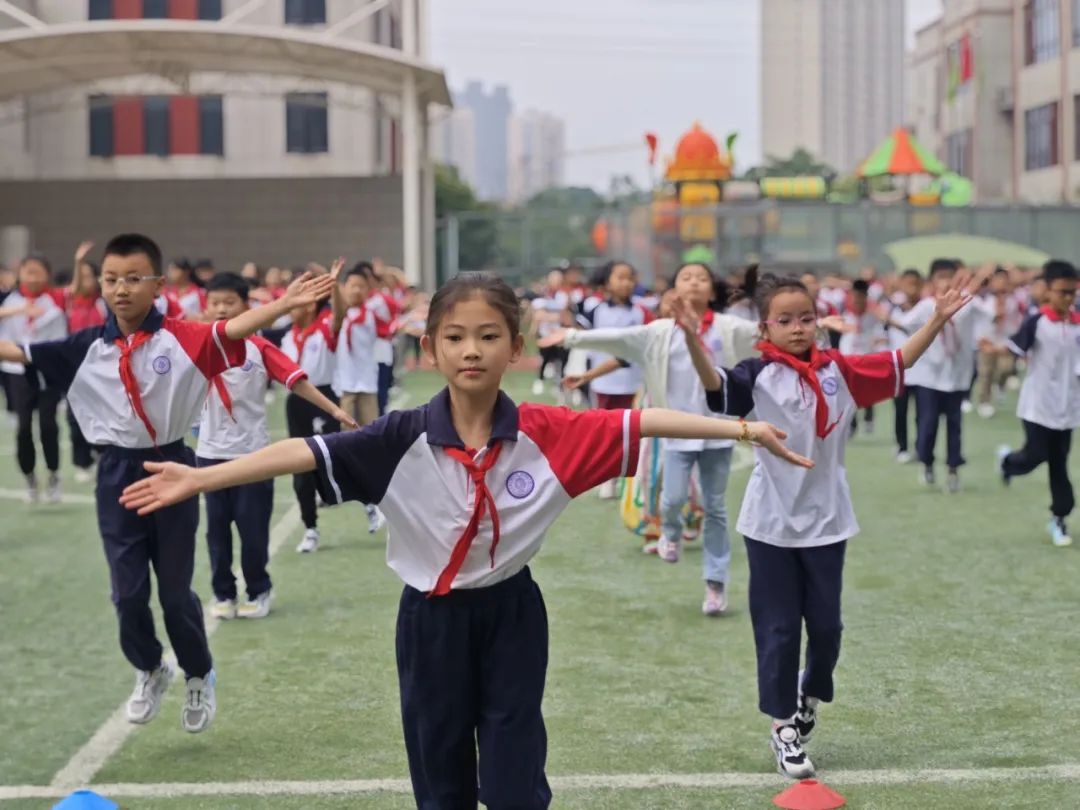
625	781
107	740
68	497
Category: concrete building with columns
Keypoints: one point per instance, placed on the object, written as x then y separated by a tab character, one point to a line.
275	131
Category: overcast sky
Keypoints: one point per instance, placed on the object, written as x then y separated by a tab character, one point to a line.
615	69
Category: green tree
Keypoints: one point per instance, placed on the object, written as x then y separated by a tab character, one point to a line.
477	235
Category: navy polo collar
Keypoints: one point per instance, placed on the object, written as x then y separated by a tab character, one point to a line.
151	323
440	423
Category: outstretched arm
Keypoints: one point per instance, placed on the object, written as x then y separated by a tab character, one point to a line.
305	290
668	424
945	306
337	300
573	381
306	391
171	483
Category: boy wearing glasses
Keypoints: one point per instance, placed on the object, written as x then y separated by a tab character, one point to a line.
1049	403
163	366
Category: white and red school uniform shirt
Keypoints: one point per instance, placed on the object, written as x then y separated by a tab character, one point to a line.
685	391
168	307
356	368
1050	394
1002	318
790	506
384	310
554	302
412	464
234	416
868	336
50	325
608	314
949	362
143	390
192	299
312	348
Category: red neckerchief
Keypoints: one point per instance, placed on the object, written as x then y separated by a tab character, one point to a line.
300	337
131	384
483	502
223	392
807	371
355	320
706	322
1054	316
30	297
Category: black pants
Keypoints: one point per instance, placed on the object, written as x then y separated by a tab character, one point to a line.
930	406
471	666
82	452
900	417
386	380
556	355
1052	446
249	506
28	395
304	419
164	540
787	587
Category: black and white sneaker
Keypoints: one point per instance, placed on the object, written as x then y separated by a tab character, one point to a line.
790	758
805	718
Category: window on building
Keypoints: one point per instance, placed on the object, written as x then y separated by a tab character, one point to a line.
209	9
211	126
305	12
101	126
99	10
1076	127
1042	33
958	152
1075	22
155	9
306	123
156	125
1041	137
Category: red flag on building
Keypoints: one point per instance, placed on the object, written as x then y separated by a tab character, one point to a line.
650	139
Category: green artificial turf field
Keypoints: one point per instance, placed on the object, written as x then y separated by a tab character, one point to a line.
958	686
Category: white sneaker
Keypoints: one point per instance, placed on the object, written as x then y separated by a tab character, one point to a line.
577	398
52	490
608	490
310	542
715	603
868	428
790	757
966	406
200	705
223	609
32	494
1012	383
257	608
375	519
668	550
84	476
903	457
1059	535
537	387
952	483
150	688
986	410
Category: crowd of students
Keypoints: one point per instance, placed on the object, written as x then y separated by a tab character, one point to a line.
196	350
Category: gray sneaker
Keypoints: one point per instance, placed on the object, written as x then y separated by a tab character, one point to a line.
257	608
52	491
200	705
150	688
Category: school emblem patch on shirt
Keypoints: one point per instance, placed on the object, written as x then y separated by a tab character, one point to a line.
830	386
248	366
520	484
162	364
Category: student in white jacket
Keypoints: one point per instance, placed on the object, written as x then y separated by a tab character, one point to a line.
671	382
